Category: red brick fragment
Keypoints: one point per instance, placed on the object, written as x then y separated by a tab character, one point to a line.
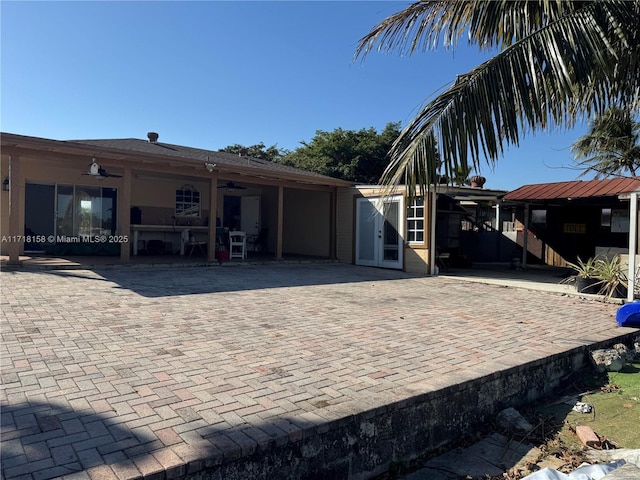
588	437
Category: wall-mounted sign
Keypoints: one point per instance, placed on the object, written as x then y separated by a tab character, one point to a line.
576	228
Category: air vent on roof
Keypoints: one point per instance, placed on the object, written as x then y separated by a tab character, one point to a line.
153	137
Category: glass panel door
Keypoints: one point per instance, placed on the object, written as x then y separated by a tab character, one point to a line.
88	211
366	233
109	206
379	236
85	211
390	235
392	241
39	215
64	210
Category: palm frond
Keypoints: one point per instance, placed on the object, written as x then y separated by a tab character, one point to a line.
488	23
550	76
612	145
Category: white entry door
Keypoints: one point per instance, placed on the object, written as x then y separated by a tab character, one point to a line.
250	214
379	232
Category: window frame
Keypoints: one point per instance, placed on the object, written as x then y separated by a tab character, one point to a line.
413	219
188	202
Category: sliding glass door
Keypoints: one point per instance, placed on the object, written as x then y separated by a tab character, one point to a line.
85	211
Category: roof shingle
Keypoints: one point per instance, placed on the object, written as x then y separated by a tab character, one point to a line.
190	153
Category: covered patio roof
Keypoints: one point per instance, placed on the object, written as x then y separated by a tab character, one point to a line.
624	188
577	189
126	161
152	154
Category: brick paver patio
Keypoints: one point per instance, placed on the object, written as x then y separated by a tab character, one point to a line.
122	373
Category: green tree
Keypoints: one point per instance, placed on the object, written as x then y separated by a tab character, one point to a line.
259	150
611	146
359	156
557	61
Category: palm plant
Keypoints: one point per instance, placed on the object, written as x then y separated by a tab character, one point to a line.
558	61
603	275
611	275
583	269
612	145
584	275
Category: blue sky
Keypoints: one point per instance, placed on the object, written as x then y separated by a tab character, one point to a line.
211	74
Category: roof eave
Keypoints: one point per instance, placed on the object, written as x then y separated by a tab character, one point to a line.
15	141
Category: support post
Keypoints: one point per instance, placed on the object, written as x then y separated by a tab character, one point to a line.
498	230
433	216
15	221
280	222
525	238
633	245
333	196
213	217
124	215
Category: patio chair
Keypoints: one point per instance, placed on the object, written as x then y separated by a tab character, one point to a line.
237	245
190	243
442	261
258	242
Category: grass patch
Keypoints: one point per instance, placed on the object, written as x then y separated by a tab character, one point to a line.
615	397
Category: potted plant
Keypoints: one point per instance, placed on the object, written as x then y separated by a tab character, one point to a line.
584	275
611	276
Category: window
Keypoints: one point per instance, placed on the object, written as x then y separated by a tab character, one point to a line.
187	201
605	217
539	218
415	221
619	221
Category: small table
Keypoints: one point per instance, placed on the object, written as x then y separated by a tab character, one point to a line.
137	228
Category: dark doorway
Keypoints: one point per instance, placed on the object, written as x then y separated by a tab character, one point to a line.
231	212
39	215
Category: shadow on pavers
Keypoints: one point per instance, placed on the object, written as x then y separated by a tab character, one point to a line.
168	282
51	440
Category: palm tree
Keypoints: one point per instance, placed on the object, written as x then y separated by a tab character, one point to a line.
558	61
612	145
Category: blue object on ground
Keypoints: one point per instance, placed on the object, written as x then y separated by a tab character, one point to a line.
628	315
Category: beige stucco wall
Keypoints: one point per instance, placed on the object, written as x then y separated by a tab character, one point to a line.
345	224
4	203
155	196
307	215
416	260
306	222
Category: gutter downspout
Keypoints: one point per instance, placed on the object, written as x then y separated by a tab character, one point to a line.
633	242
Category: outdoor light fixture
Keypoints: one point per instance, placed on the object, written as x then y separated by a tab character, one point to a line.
208	165
5	185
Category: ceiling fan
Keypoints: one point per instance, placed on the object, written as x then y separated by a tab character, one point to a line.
232	186
96	170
